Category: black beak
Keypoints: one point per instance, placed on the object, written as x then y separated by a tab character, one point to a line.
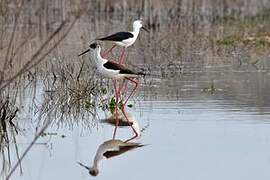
84	52
81	164
145	29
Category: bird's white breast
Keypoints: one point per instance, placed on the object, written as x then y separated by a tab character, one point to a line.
108	73
126	43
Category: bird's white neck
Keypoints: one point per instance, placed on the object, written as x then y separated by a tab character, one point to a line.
96	164
98	59
136	30
97	161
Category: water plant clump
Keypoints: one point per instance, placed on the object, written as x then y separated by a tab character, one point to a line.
8	114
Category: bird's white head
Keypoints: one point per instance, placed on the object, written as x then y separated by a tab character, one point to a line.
139	24
93	171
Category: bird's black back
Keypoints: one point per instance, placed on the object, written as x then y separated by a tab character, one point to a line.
114	66
122	149
120	36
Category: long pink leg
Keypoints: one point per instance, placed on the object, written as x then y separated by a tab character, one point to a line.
134	89
123	84
116	107
117	95
125	90
125	115
121	60
107	52
135	132
123	108
136	135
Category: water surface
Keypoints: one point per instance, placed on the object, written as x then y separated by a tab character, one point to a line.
191	132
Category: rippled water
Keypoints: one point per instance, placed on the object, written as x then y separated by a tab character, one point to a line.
190	131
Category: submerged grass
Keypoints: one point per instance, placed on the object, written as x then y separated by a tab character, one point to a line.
8	132
252	32
8	113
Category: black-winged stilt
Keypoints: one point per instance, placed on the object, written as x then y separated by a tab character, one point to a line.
124	39
115	71
109	149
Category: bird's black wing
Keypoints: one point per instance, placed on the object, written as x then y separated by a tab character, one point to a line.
125	123
122	149
120	36
114	66
120	123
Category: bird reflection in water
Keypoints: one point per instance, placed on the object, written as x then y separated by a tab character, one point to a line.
109	149
123	122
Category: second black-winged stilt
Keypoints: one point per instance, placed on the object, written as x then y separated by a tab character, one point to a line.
114	71
109	149
124	39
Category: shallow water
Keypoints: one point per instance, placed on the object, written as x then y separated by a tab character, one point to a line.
190	131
